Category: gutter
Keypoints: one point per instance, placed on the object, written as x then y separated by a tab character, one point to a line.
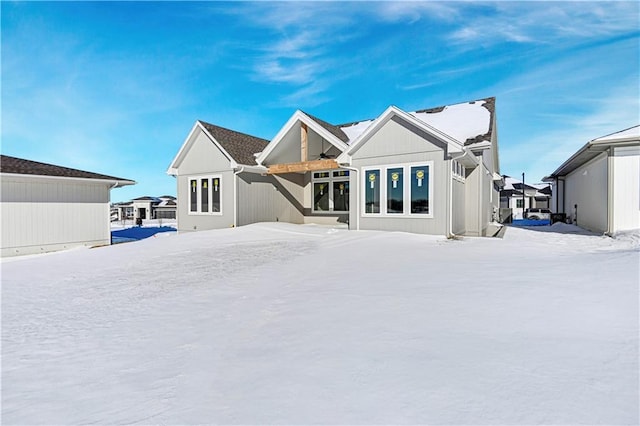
235	195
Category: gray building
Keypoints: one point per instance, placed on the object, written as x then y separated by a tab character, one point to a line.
432	171
45	207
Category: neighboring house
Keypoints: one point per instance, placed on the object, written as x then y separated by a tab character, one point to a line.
146	207
598	186
535	196
46	207
432	171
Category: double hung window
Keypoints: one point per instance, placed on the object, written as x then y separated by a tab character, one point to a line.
398	190
205	195
330	191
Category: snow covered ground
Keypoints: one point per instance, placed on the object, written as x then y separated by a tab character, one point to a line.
279	323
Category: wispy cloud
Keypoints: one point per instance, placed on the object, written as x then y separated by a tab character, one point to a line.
545	22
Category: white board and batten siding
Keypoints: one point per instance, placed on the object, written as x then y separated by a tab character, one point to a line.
626	188
587	188
43	214
409	147
204	160
270	198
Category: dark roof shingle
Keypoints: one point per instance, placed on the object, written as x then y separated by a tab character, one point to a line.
334	130
240	146
21	166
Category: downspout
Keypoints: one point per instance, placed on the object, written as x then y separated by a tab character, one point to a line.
115	185
235	195
610	189
450	233
357	194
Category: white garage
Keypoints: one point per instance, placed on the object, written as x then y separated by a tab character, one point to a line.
44	207
599	186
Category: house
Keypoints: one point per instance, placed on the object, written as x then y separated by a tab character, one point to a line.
512	197
432	171
45	207
146	207
598	187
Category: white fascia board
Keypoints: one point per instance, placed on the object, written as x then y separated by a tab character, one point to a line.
173	167
304	118
232	162
119	182
330	137
186	145
454	145
277	138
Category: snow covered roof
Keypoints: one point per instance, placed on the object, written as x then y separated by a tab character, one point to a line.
20	166
467	122
630	133
515	186
595	147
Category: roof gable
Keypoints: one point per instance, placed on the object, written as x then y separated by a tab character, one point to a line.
21	166
326	131
467	122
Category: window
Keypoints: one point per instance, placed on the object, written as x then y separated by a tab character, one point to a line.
372	192
331	191
406	189
519	203
395	191
458	170
204	195
420	190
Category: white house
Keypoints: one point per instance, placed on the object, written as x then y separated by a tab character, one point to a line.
598	186
44	207
432	171
535	195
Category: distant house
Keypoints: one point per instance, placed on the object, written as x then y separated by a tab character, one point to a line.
535	196
146	207
46	207
432	171
598	186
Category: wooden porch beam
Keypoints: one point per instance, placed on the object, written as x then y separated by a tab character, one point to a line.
303	143
303	166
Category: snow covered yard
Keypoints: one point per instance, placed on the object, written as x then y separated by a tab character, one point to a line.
278	323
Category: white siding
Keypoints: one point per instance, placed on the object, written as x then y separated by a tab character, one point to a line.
40	215
626	188
458	220
204	159
269	198
586	187
399	143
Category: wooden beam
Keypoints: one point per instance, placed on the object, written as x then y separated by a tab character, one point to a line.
303	166
303	142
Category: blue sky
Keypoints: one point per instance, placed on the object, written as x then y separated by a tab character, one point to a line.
115	88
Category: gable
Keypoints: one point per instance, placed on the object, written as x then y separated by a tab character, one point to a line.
397	137
322	139
201	155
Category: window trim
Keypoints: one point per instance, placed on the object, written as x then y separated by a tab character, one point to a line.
329	181
406	193
198	179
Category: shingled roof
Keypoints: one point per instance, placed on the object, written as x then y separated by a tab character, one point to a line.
240	146
334	130
27	167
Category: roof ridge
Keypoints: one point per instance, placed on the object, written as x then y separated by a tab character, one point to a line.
611	134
